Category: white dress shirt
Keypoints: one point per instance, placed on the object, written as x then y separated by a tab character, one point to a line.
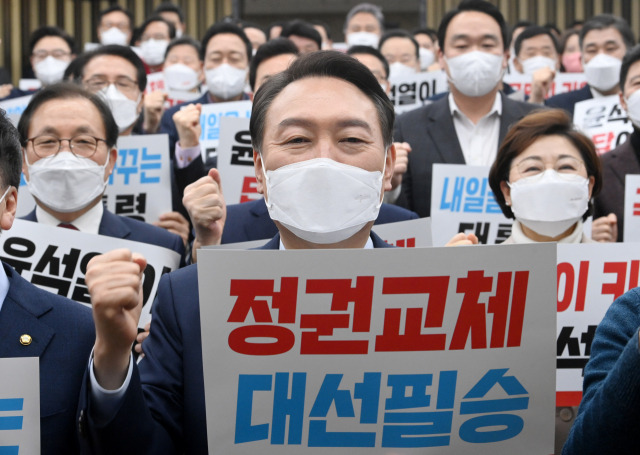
88	222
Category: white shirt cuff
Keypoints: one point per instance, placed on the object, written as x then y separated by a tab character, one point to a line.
106	402
184	156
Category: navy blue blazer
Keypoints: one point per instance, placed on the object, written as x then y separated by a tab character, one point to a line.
123	227
567	101
63	335
163	409
251	221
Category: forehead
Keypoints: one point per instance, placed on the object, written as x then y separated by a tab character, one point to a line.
183	50
66	115
549	148
156	27
170	16
398	44
634	72
472	24
274	65
110	65
600	37
423	38
370	61
363	18
538	41
226	42
51	42
115	16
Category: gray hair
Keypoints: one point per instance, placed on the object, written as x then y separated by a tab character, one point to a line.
370	8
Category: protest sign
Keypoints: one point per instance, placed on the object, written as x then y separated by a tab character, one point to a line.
210	123
406	234
15	107
562	82
411	92
55	259
379	351
604	121
19	405
235	161
462	201
155	81
632	208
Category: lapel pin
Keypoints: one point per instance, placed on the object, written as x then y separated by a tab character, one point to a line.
25	339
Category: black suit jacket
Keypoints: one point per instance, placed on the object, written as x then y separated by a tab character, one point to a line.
567	101
616	164
432	136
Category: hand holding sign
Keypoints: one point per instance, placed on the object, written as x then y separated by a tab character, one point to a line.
463	239
204	201
114	280
605	228
187	122
176	223
153	110
402	160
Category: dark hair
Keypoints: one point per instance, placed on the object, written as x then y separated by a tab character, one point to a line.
629	59
273	48
368	8
303	29
182	41
48	30
10	153
152	19
542	123
399	34
72	72
360	49
118	8
324	25
322	64
553	28
532	32
564	39
480	6
119	51
604	21
431	33
67	90
168	7
225	27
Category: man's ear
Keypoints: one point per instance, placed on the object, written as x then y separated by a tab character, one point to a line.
10	207
517	64
140	104
506	192
257	168
623	102
390	164
25	168
111	163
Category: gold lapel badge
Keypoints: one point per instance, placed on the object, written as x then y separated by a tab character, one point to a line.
25	340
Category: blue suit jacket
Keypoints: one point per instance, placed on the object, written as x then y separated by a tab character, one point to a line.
567	101
123	227
164	409
63	335
251	221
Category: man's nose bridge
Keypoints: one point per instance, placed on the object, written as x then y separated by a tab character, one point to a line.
327	148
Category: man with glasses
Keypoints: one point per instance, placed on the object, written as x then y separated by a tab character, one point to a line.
69	151
115	26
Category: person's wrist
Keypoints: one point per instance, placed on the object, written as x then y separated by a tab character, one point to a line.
188	140
110	364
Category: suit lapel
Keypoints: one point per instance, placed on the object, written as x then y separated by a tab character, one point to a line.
112	226
440	127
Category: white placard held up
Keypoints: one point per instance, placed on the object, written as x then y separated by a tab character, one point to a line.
210	123
411	92
235	161
309	351
15	107
462	201
604	121
632	208
406	234
562	82
19	405
155	81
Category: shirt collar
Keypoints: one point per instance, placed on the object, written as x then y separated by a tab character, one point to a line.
88	222
367	246
495	109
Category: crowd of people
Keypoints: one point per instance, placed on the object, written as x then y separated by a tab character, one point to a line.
321	112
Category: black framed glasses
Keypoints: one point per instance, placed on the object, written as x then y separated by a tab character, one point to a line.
82	145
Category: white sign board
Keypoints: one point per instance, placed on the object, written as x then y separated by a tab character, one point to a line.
19	405
155	81
411	92
632	208
15	107
462	201
406	234
604	121
210	123
562	82
55	259
235	161
379	351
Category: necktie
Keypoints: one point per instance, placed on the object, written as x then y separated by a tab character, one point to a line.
68	226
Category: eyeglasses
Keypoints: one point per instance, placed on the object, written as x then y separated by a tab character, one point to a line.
97	83
533	166
82	145
56	53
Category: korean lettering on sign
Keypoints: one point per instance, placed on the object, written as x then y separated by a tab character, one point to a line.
604	121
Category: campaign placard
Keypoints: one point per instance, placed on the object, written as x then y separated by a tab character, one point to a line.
462	201
410	92
55	259
155	81
15	107
379	351
210	118
406	234
590	277
235	161
562	82
19	405
604	121
632	208
140	184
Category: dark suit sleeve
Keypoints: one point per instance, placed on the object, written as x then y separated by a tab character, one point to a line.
167	126
405	199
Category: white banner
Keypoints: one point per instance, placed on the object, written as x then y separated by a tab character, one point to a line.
411	92
55	259
15	107
19	406
562	82
462	201
632	208
604	121
210	123
406	234
307	350
155	81
235	161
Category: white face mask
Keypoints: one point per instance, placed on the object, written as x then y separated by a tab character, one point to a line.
124	110
399	70
427	57
50	70
180	77
114	36
153	51
603	72
323	201
65	182
550	203
533	64
633	108
363	39
226	81
475	73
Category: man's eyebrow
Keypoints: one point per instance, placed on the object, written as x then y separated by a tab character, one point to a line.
79	130
302	122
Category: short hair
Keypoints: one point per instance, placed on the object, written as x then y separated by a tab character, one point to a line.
184	41
324	25
48	30
629	59
322	64
604	21
361	49
564	39
158	18
538	124
301	28
225	27
431	33
168	7
399	34
532	32
10	153
124	52
118	8
369	8
67	90
273	48
480	6
74	68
